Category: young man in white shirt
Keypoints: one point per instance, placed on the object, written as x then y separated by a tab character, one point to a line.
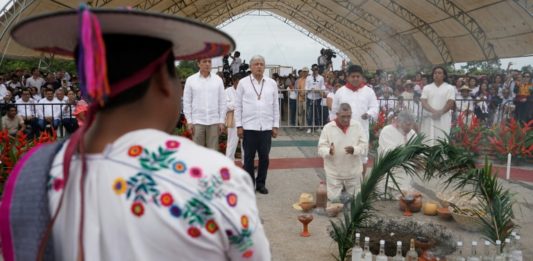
257	119
48	111
361	98
35	80
26	109
314	86
204	105
343	146
438	99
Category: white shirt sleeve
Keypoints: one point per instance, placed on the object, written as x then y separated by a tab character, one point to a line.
238	105
221	102
276	109
187	100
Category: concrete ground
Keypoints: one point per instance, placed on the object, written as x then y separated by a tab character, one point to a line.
285	185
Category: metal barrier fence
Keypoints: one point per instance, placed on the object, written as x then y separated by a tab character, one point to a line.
310	109
39	117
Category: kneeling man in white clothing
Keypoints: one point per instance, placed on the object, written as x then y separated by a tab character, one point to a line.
343	145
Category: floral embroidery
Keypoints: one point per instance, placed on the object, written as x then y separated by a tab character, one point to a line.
231	198
194	232
197	212
58	184
137	209
154	161
196	172
135	151
248	254
120	186
166	199
142	187
172	144
244	221
224	174
242	241
211	226
211	188
175	211
179	167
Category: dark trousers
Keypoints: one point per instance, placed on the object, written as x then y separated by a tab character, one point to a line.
325	115
71	125
292	112
257	142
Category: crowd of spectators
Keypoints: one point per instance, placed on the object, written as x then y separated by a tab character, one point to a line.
33	102
489	98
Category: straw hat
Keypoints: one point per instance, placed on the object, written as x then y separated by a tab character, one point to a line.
409	82
305	69
304	198
465	88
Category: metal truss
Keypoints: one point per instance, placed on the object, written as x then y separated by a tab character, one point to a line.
353	27
527	5
421	25
176	7
10	12
227	11
309	34
319	30
98	3
469	24
407	42
233	19
325	27
147	4
46	61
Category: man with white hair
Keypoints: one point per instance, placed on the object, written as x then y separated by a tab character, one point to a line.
394	135
257	119
343	145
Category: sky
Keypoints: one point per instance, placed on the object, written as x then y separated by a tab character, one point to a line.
280	44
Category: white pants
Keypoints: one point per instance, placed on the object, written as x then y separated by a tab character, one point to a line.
334	187
233	141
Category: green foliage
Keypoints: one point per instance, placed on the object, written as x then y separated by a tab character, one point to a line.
527	68
10	65
483	67
444	160
186	69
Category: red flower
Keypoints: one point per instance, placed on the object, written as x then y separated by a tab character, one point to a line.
194	232
211	226
172	144
244	221
166	199
196	172
224	173
137	209
135	151
248	254
58	184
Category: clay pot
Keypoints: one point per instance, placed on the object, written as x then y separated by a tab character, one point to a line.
444	214
415	205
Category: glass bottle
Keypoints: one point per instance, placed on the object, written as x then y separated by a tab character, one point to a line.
499	256
367	255
398	256
516	253
507	250
487	255
381	256
473	253
357	251
460	256
412	255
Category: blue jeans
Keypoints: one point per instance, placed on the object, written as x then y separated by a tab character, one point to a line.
42	123
292	112
313	112
325	115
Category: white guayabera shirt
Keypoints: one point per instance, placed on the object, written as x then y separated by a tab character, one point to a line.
153	196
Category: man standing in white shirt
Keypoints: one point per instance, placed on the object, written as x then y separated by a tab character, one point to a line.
233	138
361	98
236	63
314	85
26	109
35	80
257	119
204	105
48	111
438	99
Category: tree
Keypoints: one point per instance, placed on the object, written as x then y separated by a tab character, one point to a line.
483	67
186	69
527	68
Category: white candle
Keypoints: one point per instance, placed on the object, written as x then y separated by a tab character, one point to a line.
508	173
